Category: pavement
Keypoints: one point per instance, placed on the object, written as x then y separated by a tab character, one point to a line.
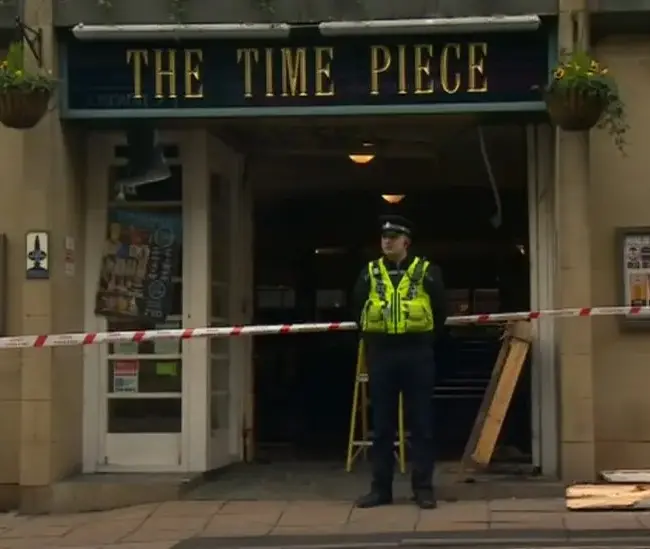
237	523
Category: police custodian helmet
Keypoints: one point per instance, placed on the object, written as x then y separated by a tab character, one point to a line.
395	225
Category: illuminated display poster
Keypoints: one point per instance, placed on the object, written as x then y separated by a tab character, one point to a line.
141	256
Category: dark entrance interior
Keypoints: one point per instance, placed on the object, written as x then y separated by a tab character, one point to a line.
316	227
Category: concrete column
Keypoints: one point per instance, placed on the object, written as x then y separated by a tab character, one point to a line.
51	379
577	449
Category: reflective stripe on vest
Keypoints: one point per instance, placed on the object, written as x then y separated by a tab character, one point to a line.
391	310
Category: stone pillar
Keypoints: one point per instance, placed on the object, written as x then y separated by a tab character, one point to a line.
577	449
51	379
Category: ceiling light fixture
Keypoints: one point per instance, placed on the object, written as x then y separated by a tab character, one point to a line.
363	156
393	198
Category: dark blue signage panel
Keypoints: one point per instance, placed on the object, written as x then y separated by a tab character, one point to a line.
379	71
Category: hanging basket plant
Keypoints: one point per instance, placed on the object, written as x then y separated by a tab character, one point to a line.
582	95
24	95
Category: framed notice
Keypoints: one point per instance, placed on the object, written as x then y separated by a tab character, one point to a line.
125	376
633	252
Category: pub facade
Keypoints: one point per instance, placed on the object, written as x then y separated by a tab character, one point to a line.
187	406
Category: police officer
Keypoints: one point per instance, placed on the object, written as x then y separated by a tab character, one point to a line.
400	301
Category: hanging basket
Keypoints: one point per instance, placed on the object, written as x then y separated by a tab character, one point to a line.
21	110
574	111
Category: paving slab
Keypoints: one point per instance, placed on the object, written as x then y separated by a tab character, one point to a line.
290	523
524	505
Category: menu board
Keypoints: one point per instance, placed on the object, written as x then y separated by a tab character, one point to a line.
141	255
636	279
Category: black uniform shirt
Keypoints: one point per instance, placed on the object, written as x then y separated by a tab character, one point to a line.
433	285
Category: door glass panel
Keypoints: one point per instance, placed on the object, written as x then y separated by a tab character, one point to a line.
153	376
219	302
144	415
219	346
220	227
145	379
220	374
219	407
157	347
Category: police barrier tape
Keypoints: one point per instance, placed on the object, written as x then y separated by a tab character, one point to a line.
92	338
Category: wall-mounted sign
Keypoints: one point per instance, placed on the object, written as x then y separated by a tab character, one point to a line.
141	255
634	254
476	69
37	258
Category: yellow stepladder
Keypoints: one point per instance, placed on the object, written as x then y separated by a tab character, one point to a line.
360	403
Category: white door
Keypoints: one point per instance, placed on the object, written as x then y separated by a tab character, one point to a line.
220	243
230	252
143	408
134	408
542	257
244	388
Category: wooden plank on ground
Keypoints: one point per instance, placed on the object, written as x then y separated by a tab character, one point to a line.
500	402
608	497
634	476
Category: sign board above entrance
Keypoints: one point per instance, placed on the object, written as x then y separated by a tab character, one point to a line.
234	78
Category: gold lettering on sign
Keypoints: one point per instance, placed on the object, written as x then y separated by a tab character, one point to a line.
445	71
137	58
268	65
193	61
423	80
323	84
294	72
250	56
380	61
401	70
166	70
477	80
293	66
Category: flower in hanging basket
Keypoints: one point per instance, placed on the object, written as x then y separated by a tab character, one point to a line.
582	94
24	94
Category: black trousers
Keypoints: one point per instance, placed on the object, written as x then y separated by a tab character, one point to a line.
409	369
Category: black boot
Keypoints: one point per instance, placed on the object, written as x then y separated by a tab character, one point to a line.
373	499
425	499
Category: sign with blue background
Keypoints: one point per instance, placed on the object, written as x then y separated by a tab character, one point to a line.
229	78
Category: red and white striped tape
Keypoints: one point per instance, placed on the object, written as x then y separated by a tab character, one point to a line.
91	338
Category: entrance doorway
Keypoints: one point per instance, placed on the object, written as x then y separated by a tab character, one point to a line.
464	184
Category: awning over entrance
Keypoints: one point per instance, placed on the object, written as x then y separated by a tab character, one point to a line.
473	64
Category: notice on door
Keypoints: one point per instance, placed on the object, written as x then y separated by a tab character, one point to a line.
125	376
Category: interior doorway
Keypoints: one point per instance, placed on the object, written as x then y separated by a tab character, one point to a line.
316	219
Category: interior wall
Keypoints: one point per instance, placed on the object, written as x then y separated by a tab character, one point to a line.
620	196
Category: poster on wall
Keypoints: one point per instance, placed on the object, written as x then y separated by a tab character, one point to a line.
636	279
125	376
141	256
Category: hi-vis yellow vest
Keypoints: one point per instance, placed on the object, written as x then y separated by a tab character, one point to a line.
405	309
